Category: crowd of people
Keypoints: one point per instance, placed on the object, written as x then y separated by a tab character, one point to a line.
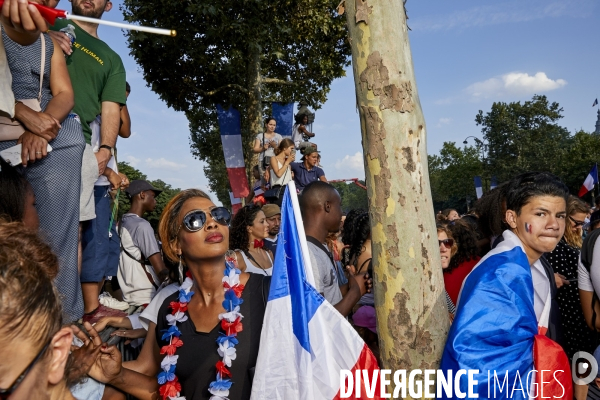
64	259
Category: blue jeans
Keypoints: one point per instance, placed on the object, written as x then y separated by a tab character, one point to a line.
100	250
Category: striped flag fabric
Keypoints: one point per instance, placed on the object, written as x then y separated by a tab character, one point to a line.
478	187
493	183
236	203
496	330
590	181
284	115
595	103
305	342
231	138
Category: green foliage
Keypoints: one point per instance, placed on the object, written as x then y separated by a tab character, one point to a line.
161	201
301	47
352	195
520	137
523	137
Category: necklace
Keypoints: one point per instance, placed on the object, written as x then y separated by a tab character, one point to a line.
170	387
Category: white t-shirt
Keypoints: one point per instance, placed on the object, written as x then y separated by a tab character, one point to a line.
150	313
590	281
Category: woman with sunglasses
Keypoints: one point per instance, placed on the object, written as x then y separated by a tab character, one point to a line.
249	228
34	348
447	249
564	261
202	347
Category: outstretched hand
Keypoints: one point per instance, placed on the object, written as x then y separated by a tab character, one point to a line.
84	357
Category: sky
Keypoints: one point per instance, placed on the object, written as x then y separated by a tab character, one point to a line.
467	54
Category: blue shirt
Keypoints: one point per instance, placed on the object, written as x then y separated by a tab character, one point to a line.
303	177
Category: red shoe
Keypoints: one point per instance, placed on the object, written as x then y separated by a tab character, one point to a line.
100	312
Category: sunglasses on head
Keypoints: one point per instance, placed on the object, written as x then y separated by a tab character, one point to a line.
195	219
446	242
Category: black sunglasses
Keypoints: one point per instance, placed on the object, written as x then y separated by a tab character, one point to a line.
195	219
577	223
446	242
4	393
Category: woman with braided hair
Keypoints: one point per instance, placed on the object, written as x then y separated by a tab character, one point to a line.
248	230
347	232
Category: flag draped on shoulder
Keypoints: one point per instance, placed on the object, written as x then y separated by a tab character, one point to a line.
590	181
496	331
305	342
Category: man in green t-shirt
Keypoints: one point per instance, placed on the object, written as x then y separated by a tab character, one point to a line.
98	79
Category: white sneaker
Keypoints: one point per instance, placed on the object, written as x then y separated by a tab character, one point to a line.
108	301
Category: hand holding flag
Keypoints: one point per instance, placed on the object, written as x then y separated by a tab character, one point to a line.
29	18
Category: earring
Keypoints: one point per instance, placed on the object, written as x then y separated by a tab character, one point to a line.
180	270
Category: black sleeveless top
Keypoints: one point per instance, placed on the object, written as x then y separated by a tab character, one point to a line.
196	366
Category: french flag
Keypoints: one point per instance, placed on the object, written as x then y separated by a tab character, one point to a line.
305	342
496	330
231	138
590	181
236	203
478	187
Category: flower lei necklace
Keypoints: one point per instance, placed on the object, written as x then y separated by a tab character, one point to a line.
170	388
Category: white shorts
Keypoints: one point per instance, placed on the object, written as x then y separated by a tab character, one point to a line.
89	175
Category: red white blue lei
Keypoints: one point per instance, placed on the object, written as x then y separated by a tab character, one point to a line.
170	387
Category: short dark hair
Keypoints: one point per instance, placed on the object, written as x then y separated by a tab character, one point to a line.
13	192
127	87
312	194
524	187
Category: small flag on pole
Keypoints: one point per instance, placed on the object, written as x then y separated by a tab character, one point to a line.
590	181
494	183
595	103
478	187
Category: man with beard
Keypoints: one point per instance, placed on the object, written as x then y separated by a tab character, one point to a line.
273	215
98	79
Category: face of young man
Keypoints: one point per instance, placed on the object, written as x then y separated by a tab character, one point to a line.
91	8
311	159
540	225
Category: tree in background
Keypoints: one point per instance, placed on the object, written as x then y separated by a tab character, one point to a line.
352	195
522	137
451	174
239	53
161	201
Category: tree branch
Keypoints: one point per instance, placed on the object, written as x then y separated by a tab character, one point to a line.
215	91
278	81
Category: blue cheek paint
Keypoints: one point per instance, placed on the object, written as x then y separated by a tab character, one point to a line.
528	228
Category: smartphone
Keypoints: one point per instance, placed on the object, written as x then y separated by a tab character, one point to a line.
12	155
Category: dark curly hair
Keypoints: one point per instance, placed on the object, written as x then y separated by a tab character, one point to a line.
466	239
491	209
348	225
361	230
238	232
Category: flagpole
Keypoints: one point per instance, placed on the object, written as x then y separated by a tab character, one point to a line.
158	31
291	187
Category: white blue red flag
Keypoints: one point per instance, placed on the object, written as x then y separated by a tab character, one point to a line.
305	342
497	332
590	181
231	138
478	187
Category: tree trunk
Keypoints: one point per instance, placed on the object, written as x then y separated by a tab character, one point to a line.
255	123
412	319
